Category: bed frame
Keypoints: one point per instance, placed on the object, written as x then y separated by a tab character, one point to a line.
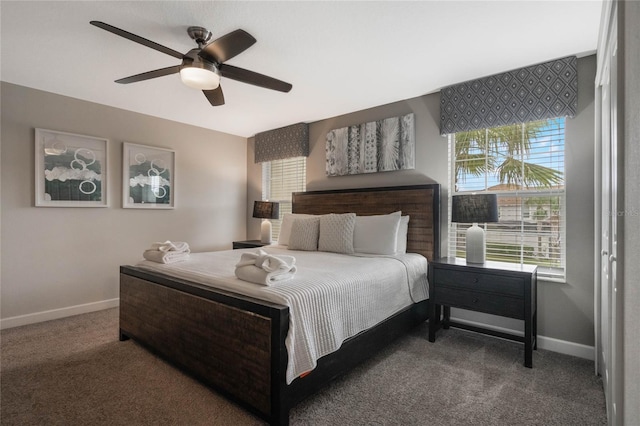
236	344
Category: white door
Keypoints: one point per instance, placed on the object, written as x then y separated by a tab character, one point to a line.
605	232
615	331
609	356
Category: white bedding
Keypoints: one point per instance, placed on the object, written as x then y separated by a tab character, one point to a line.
331	297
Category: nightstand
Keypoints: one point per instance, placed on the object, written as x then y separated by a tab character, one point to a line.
248	244
498	288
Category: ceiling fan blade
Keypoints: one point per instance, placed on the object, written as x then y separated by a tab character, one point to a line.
150	74
227	46
143	41
250	77
215	96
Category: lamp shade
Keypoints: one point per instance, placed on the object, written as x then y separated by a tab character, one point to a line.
266	210
474	208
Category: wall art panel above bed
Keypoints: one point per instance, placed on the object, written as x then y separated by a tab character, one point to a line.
377	146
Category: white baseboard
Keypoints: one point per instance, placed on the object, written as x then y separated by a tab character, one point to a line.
57	313
567	348
546	343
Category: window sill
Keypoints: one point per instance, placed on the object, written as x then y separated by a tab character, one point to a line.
552	279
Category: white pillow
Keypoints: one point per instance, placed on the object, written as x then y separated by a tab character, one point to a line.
304	234
285	227
336	232
403	229
376	234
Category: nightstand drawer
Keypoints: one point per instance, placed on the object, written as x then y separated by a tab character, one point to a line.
494	283
482	302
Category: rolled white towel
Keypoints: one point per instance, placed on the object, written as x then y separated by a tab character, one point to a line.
167	246
263	268
165	256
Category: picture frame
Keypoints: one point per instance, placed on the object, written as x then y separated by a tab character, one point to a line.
71	170
148	177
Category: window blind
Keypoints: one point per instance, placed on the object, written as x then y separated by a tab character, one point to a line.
280	178
524	165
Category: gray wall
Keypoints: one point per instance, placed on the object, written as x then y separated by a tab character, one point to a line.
54	258
565	310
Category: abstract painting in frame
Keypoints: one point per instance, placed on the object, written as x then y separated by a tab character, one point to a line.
377	146
148	180
70	170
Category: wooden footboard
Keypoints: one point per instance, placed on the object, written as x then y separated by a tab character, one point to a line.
230	342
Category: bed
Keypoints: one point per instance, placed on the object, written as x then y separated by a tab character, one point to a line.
237	343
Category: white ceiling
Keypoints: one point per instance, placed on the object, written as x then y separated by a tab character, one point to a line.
340	56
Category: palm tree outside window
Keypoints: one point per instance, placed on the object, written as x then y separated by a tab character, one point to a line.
524	165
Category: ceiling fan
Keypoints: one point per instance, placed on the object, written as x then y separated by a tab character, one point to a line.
203	66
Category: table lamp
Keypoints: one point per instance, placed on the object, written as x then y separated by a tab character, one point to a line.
266	210
474	208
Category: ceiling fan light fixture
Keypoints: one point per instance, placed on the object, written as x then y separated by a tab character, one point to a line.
200	76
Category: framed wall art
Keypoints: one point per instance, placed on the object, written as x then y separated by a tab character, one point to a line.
148	180
70	170
377	146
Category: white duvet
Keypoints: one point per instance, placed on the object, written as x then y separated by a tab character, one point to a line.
331	297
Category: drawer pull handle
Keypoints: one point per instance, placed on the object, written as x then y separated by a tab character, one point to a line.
475	300
475	280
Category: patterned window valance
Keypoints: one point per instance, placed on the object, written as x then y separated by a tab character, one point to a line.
533	93
285	142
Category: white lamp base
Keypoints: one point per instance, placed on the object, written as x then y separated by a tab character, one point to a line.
265	231
475	244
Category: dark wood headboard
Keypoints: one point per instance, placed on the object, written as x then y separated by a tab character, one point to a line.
420	202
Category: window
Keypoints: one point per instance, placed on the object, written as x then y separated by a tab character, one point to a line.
524	165
280	178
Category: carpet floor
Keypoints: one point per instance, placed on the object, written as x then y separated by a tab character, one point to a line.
74	371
